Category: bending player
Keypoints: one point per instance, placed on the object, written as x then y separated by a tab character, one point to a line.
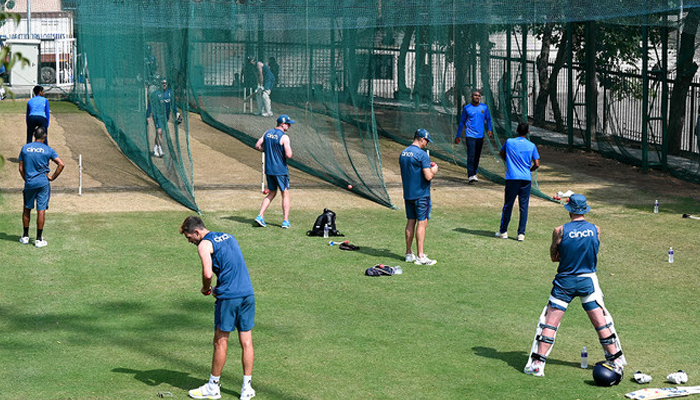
575	247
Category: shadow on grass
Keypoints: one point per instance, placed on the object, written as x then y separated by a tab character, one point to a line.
516	359
375	252
9	238
476	232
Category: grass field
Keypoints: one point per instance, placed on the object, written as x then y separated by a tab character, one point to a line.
111	309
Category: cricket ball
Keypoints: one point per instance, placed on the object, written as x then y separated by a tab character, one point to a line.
349	187
432	164
266	191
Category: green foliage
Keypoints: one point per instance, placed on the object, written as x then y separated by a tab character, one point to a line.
115	297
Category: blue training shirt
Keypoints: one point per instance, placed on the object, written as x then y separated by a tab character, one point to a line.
232	278
520	153
412	161
275	157
38	106
474	119
36	157
268	77
578	249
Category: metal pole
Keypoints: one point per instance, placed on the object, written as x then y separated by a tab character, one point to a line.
29	19
645	97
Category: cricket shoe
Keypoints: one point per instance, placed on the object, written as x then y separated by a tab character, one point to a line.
24	240
40	243
285	225
260	220
247	393
521	237
206	391
502	235
424	261
473	179
410	257
536	368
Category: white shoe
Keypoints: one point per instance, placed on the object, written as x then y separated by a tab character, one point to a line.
424	261
268	115
24	240
535	369
521	237
160	151
40	243
247	393
410	257
206	391
473	179
502	235
155	150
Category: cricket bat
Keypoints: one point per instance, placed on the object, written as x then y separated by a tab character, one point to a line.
663	393
690	216
262	181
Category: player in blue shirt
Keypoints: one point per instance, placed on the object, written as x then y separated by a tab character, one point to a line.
34	168
475	117
575	246
521	157
235	302
416	173
277	147
38	113
161	104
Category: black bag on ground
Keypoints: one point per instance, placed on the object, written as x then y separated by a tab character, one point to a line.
327	218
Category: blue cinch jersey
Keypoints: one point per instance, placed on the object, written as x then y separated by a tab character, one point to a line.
578	249
36	157
232	278
520	153
268	78
474	119
412	161
275	157
39	106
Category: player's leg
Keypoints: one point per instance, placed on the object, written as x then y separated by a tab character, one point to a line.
602	321
272	186
510	192
267	103
244	325
26	218
220	351
423	207
470	143
545	335
524	202
410	232
283	184
478	145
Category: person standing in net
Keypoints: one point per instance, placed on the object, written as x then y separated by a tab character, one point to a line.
266	80
521	157
34	168
475	117
38	114
160	105
575	247
277	148
416	173
235	302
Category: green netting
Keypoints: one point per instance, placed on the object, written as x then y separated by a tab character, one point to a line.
349	71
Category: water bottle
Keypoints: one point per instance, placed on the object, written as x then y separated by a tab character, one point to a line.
656	207
670	255
325	231
331	243
584	358
396	270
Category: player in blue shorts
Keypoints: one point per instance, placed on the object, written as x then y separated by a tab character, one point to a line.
34	159
235	302
277	148
575	247
416	173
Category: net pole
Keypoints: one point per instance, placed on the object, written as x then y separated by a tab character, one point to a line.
80	174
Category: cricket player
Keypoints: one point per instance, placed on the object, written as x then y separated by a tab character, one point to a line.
575	247
235	302
38	113
266	80
34	168
475	117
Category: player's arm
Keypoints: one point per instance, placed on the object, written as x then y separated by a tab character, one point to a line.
535	164
259	143
556	239
205	250
502	153
59	168
462	122
260	73
287	145
21	170
487	117
47	111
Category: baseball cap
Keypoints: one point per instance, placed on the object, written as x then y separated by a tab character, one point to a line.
577	204
422	133
284	119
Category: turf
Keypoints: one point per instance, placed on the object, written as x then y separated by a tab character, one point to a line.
111	309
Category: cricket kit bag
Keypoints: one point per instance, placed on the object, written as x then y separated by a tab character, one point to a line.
327	218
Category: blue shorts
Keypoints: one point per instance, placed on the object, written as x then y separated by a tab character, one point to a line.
565	288
232	314
40	196
418	209
275	182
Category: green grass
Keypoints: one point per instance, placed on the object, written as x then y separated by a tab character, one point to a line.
10	106
111	308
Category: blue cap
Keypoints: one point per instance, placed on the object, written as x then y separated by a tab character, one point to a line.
422	133
284	119
577	204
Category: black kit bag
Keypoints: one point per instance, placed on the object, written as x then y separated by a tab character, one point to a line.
327	218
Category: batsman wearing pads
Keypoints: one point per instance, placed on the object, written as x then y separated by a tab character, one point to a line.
575	246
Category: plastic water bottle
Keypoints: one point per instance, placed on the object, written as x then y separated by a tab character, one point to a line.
656	207
396	270
584	358
331	243
670	255
325	231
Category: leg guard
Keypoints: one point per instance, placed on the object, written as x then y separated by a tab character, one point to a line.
617	358
534	351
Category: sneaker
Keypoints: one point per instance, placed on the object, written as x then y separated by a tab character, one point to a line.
285	225
521	237
410	257
473	179
160	151
261	221
24	240
424	261
535	369
502	235
268	115
40	243
206	391
247	393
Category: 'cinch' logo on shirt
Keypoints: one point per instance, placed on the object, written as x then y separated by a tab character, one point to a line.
35	150
221	238
407	154
581	234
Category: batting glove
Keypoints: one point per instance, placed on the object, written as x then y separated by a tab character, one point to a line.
678	377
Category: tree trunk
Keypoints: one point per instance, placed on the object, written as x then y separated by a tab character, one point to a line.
686	71
403	91
542	63
553	78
